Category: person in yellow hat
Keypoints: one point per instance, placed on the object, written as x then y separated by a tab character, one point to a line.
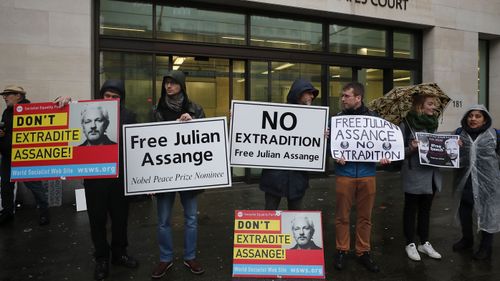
12	95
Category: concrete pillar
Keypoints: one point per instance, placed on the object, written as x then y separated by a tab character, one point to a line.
450	58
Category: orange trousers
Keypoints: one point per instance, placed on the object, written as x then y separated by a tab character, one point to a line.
362	192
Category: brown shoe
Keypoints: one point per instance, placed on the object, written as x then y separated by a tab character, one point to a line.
161	269
194	266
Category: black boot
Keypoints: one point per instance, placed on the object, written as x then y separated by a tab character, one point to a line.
366	260
6	217
44	217
482	254
463	244
340	260
101	269
125	261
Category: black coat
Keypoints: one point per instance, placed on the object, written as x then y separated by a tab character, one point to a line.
165	113
288	183
6	140
126	117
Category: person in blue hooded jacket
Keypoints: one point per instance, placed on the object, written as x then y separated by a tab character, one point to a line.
355	183
289	184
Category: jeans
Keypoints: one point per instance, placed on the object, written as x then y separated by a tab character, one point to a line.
165	202
40	192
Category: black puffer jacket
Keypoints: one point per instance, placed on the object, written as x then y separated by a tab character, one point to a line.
126	117
288	183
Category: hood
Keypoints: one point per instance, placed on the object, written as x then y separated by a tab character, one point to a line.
115	85
479	107
298	87
178	76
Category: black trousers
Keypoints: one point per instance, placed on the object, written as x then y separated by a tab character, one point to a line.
101	202
465	214
7	187
417	207
273	202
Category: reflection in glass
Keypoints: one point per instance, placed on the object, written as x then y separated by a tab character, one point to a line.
285	33
238	94
373	80
123	18
136	71
339	76
283	74
238	80
191	24
403	78
359	41
404	45
258	81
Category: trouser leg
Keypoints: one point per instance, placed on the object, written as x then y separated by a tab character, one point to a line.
40	193
344	192
118	212
409	217
165	202
189	202
295	204
424	214
365	198
272	202
97	210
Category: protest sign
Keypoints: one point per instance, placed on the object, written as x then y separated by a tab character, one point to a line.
360	138
278	136
176	156
62	143
438	150
278	244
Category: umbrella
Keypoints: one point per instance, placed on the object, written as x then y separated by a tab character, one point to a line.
394	106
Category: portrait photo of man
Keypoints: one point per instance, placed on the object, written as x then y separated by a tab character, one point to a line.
423	148
95	123
303	233
452	151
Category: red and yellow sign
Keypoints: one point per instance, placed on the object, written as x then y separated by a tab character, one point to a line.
278	244
51	143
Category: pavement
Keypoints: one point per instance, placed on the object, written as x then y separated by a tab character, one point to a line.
63	250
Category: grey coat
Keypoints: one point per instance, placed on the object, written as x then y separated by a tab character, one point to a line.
416	178
480	160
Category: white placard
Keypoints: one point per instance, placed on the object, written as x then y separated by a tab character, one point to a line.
176	156
278	136
360	138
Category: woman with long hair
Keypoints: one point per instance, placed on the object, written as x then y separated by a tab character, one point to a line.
420	182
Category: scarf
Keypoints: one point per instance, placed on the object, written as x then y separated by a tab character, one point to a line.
421	122
175	102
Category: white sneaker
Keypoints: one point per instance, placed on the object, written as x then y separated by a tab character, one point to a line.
412	252
427	249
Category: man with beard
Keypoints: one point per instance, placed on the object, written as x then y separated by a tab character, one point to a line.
303	231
